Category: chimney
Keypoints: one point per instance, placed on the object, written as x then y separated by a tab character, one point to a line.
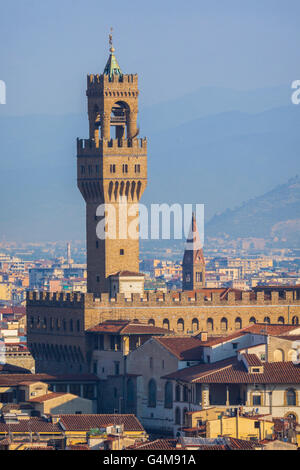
203	336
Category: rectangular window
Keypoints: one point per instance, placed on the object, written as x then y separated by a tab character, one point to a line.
88	391
137	168
113	168
256	400
82	169
90	168
75	389
121	251
125	168
117	368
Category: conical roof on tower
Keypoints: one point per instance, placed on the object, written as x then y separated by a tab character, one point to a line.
193	244
112	67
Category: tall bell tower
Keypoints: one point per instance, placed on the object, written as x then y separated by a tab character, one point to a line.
193	263
111	174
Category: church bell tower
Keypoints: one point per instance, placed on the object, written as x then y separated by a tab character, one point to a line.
193	264
112	174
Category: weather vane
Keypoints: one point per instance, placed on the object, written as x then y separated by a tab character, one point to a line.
110	37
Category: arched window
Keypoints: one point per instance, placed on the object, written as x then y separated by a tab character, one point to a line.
151	322
166	324
195	325
281	320
180	325
184	416
278	355
224	324
295	321
238	323
292	355
252	320
178	393
168	395
152	393
119	119
267	320
291	398
185	393
177	416
210	324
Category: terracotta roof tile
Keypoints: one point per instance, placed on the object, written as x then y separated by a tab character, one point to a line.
233	371
17	379
158	444
185	348
252	360
30	425
85	422
126	327
47	397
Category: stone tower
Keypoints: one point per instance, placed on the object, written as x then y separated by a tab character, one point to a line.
193	264
111	174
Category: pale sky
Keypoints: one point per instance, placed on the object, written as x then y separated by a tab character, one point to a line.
48	47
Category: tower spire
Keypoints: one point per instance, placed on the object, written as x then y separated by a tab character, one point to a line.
193	264
112	67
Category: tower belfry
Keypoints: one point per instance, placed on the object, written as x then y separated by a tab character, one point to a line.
111	168
193	264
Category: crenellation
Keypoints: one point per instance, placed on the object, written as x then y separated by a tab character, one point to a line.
231	298
90	147
246	297
289	296
215	297
260	297
274	297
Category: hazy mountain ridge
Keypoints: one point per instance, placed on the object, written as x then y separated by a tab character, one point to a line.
276	214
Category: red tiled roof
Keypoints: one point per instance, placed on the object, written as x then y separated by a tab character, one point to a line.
257	328
252	360
31	425
240	444
85	422
48	396
17	379
109	326
128	274
78	447
185	348
158	444
290	337
126	327
233	371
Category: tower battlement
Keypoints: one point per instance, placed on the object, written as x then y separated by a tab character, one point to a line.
162	299
102	81
54	299
88	147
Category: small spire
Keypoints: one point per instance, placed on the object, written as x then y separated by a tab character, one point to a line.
112	67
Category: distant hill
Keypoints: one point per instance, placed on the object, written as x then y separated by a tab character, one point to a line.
274	215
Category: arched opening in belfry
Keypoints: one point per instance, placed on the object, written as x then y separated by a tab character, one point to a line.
97	122
119	120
